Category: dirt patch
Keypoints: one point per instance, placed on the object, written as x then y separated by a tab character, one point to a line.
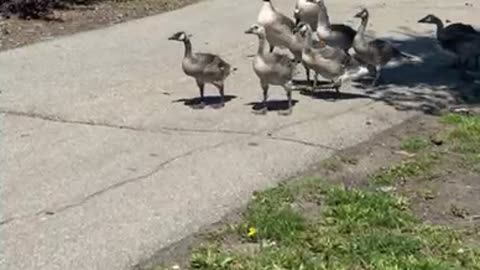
16	32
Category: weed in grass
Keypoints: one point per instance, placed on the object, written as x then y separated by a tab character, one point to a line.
415	144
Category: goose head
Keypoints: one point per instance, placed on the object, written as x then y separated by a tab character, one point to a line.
180	36
301	28
431	19
363	14
256	29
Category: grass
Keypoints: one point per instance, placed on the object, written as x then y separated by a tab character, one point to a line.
352	228
415	144
356	230
419	166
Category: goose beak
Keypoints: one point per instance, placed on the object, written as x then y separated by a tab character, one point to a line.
248	31
358	15
422	20
171	38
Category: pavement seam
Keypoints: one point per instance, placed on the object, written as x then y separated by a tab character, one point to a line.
269	136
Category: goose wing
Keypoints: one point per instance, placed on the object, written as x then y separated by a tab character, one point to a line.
212	64
345	29
459	28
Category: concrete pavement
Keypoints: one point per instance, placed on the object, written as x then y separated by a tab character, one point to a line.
102	163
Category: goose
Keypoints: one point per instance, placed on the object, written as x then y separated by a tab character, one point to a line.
272	69
278	27
377	53
446	36
331	63
204	67
336	35
306	12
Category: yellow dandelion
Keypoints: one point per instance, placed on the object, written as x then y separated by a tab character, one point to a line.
252	231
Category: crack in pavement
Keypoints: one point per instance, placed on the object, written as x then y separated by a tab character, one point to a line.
163	130
117	185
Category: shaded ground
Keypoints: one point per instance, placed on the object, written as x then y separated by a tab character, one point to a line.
427	168
16	32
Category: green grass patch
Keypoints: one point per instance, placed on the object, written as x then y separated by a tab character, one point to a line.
271	216
415	144
355	230
419	166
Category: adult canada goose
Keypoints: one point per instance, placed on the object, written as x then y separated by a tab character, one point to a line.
278	27
204	67
377	53
272	69
331	63
306	12
447	36
335	35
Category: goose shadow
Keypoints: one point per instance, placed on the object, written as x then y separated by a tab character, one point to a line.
207	100
272	105
332	95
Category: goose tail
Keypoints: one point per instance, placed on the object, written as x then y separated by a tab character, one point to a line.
410	58
355	74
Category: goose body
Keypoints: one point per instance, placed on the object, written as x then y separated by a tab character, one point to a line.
272	68
203	67
335	35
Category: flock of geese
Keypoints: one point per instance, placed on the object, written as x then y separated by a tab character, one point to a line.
321	47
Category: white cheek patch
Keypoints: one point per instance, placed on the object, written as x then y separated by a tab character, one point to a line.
182	36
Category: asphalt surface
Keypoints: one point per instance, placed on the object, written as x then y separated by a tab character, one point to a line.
103	163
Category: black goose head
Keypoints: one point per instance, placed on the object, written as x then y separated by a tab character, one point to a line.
363	14
430	18
301	28
180	36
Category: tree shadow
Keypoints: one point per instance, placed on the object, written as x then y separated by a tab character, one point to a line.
272	105
430	86
208	100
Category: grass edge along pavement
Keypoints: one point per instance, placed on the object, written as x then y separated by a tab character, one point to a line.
315	224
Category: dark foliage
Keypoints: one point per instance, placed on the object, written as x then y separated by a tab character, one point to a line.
35	9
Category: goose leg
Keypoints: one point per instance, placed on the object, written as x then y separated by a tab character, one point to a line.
220	86
336	85
378	74
201	87
264	108
288	88
307	72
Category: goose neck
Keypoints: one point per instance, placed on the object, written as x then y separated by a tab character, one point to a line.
362	27
188	48
439	25
261	45
323	19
